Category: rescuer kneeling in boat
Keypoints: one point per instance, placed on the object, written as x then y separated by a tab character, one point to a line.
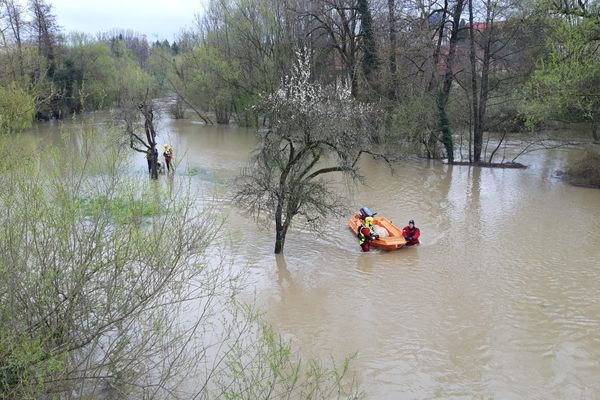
411	233
366	234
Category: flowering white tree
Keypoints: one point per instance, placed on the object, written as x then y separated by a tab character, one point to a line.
312	131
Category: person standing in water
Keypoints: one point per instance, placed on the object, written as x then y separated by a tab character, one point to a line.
366	234
168	154
411	233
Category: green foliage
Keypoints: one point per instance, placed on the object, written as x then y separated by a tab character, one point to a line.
160	66
413	120
369	59
204	77
94	77
120	209
16	109
72	76
214	76
564	85
246	50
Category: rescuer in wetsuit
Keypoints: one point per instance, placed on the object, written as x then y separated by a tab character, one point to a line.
411	233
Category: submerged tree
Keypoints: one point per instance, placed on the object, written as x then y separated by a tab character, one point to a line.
313	131
145	143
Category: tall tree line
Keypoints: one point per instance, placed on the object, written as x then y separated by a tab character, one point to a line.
51	74
443	70
446	72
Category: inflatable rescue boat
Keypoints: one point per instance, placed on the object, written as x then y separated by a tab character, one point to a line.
391	241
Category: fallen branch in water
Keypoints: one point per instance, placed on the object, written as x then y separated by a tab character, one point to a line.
484	164
544	144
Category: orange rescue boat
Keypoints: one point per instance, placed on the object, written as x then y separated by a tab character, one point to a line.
394	241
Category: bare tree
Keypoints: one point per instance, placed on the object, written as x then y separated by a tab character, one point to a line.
146	142
498	53
45	28
313	132
13	31
339	21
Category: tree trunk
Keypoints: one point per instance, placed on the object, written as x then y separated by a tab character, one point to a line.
484	90
448	79
392	37
370	62
353	82
154	163
595	133
449	74
444	127
280	228
474	94
222	114
280	233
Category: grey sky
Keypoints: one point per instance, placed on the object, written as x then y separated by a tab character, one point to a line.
161	19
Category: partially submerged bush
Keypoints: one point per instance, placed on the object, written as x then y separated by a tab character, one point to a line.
91	300
110	288
586	171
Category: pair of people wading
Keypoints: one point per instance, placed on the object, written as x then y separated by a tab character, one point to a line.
167	154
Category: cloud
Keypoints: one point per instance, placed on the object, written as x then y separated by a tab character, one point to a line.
157	19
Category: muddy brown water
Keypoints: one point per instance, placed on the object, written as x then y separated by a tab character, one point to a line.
501	300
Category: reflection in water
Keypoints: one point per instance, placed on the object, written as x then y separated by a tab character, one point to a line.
284	277
500	301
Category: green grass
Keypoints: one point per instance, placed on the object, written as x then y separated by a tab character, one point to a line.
121	209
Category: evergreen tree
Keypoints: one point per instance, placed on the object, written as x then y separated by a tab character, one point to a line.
370	62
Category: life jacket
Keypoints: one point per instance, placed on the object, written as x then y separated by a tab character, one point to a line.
361	236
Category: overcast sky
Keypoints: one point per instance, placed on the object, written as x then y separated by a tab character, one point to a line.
161	19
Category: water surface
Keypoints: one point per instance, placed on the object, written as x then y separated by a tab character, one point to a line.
501	300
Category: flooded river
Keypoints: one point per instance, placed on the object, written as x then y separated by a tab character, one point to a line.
501	300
